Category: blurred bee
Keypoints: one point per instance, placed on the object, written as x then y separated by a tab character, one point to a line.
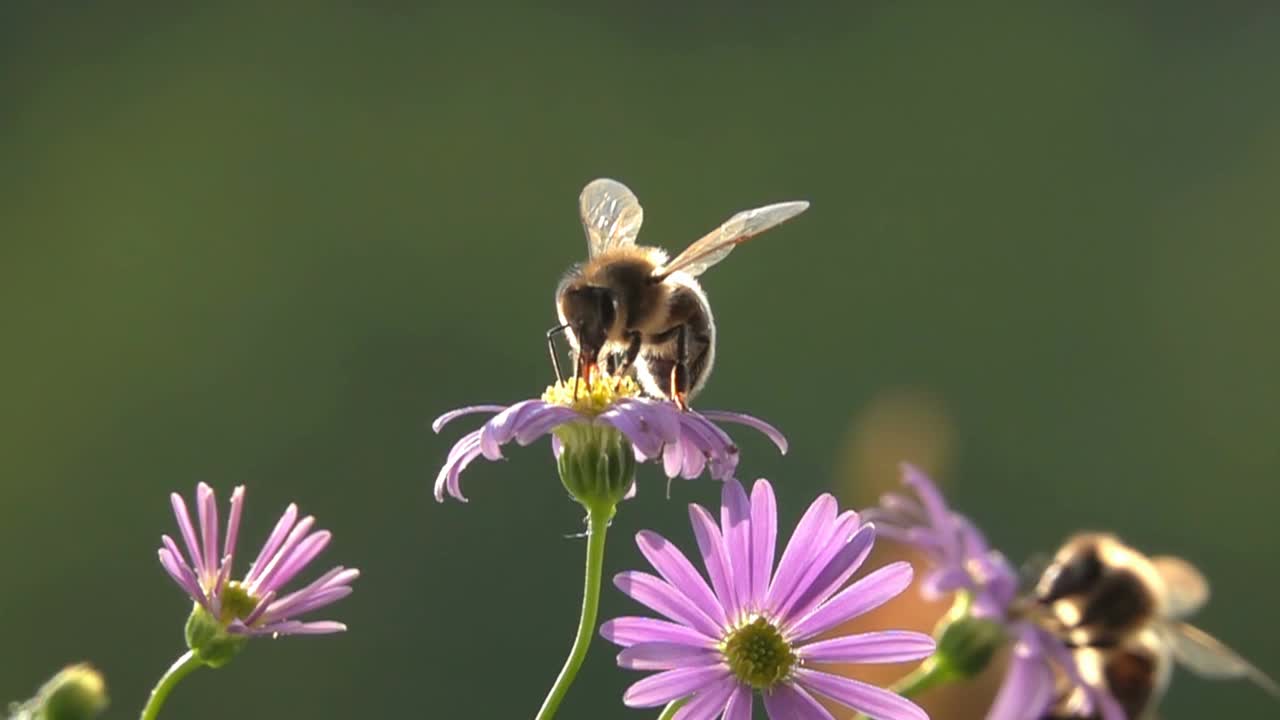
635	308
1123	613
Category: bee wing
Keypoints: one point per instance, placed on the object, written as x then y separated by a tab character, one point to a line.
1206	656
1188	589
611	215
715	245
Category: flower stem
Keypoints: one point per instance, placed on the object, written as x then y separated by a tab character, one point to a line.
597	523
930	674
670	710
178	670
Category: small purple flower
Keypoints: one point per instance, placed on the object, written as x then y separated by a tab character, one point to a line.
961	557
687	442
253	605
753	627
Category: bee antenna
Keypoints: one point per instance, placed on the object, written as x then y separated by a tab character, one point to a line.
551	348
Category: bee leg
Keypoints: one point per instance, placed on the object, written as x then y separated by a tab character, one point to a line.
632	352
551	348
680	371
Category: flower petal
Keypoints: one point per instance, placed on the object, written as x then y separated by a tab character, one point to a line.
709	702
628	631
265	602
789	702
763	427
842	565
181	574
304	553
866	594
188	532
764	536
293	627
666	656
673	458
305	603
277	536
233	525
712	445
445	419
885	646
273	565
660	597
799	550
935	505
944	580
877	703
207	509
676	569
544	421
666	686
740	703
825	549
714	558
631	420
464	451
735	523
695	461
499	430
1028	686
662	417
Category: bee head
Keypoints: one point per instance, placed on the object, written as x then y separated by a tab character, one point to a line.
1098	590
590	311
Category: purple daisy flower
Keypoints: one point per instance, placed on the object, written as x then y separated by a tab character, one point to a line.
754	627
687	442
253	605
962	560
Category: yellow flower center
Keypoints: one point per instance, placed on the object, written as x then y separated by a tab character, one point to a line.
591	397
237	603
758	654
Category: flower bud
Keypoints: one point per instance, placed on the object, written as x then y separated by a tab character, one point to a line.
78	692
597	464
966	645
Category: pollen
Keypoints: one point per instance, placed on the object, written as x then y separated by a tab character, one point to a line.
591	397
758	654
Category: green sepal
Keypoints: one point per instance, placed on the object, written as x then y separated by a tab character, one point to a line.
597	464
209	639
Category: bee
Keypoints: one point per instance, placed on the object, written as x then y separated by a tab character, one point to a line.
636	309
1123	614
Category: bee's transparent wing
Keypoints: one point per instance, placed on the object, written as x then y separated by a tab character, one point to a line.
611	215
715	245
1188	589
1205	656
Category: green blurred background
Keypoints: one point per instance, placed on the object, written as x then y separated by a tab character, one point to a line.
268	243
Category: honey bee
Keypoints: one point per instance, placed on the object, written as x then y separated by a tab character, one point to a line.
1123	613
638	310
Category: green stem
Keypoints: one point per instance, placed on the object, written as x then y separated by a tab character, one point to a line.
597	523
670	710
181	668
930	674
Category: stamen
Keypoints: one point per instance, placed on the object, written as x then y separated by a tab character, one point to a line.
591	397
